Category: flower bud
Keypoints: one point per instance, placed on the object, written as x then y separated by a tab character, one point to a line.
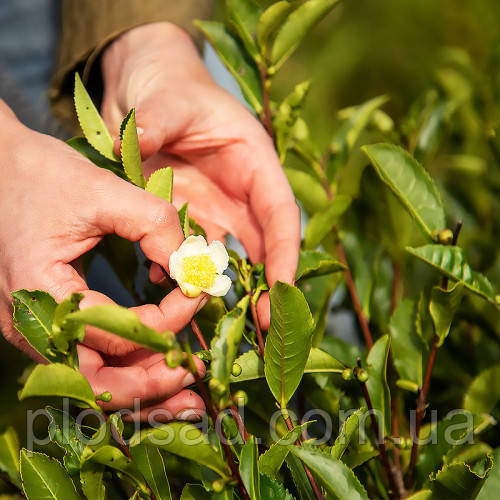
362	375
445	236
217	387
105	396
241	398
218	486
236	370
347	374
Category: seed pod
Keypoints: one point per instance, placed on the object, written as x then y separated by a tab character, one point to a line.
173	358
347	374
105	396
218	486
445	236
217	387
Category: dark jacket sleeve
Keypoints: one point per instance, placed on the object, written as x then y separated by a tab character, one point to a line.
88	26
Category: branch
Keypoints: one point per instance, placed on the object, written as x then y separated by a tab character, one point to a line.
220	431
422	397
363	322
199	335
265	116
258	330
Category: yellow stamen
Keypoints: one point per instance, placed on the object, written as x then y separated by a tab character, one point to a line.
199	270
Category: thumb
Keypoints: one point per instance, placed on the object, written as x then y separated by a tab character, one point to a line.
136	215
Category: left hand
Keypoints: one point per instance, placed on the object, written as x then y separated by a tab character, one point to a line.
225	163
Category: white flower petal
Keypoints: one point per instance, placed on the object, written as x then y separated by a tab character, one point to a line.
193	245
221	286
218	253
172	265
188	289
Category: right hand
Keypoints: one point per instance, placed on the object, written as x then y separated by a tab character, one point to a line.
55	205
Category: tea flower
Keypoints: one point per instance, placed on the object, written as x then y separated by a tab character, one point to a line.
198	267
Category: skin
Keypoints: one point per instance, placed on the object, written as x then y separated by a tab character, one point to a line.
224	166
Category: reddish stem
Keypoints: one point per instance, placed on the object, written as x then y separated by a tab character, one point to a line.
258	330
363	322
199	335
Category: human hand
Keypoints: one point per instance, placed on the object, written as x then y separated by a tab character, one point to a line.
54	206
225	163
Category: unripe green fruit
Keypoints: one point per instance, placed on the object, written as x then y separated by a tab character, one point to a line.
362	375
218	486
241	397
236	370
347	374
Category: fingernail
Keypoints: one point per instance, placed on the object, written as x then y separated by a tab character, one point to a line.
140	131
202	304
188	380
191	415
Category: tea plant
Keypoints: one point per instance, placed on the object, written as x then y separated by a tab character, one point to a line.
383	236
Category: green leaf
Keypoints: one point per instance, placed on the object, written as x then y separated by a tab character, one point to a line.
421	495
286	119
58	380
321	223
33	315
92	481
124	122
150	462
233	55
312	264
296	27
93	126
337	479
273	490
348	133
288	341
160	183
131	153
357	458
307	190
318	361
184	440
63	430
411	184
450	260
83	147
270	461
125	323
347	432
112	457
442	307
9	455
458	481
249	471
299	478
65	331
226	343
377	380
270	21
492	484
483	393
195	492
184	219
244	16
407	346
44	478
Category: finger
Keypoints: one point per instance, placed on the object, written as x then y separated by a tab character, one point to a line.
135	214
185	405
134	384
173	314
277	213
264	311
